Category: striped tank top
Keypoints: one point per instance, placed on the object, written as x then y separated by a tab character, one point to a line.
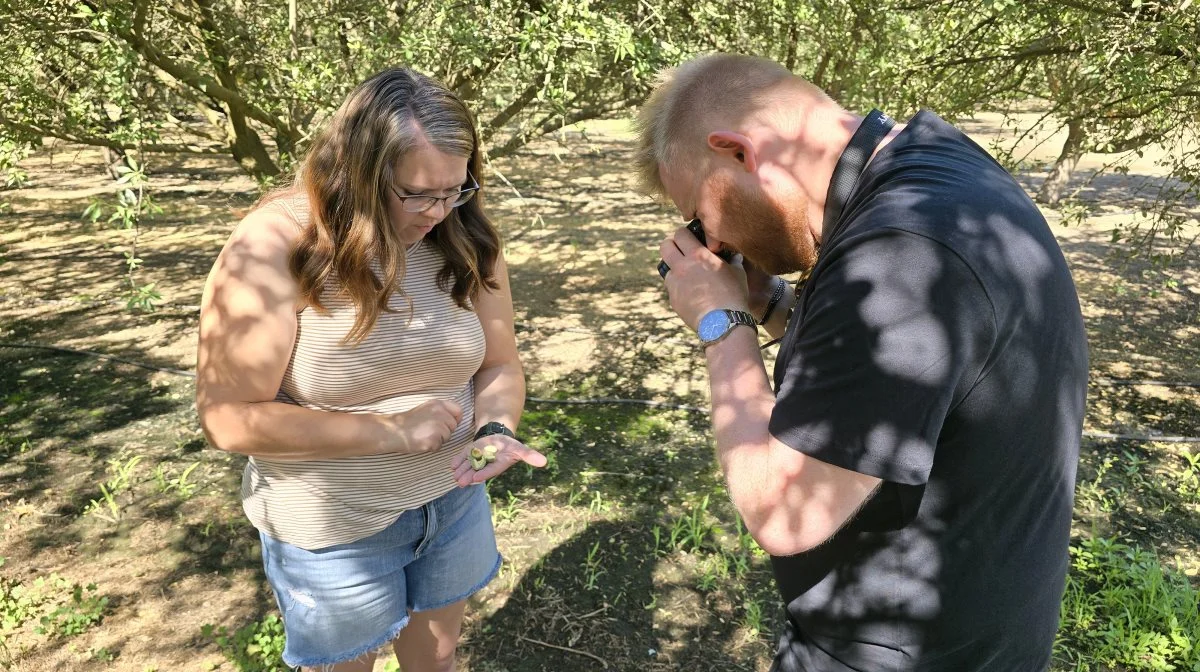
410	356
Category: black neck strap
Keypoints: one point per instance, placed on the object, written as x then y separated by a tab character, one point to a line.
851	164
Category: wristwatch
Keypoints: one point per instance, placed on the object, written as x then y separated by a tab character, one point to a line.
716	324
494	428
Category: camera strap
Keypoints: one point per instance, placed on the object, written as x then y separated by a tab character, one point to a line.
845	176
851	165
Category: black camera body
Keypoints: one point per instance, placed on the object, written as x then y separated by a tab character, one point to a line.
697	230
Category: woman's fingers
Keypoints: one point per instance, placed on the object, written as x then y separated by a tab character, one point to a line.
491	456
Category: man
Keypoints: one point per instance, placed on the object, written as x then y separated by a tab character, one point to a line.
912	475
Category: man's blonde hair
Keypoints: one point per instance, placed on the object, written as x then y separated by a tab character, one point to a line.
689	100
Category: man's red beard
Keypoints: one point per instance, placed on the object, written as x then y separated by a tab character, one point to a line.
775	240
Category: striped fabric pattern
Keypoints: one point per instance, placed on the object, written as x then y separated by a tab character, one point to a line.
410	356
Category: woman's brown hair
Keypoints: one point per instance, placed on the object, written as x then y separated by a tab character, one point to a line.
345	176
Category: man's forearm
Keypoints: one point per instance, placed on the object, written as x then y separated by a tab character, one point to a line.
790	503
741	401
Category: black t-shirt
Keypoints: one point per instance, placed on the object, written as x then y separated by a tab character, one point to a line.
938	346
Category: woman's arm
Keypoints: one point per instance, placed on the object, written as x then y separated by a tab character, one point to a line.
247	331
500	381
499	384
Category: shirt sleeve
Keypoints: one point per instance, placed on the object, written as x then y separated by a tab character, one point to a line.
894	332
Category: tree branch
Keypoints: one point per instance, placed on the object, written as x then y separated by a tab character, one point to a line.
1056	50
195	79
556	122
100	141
511	110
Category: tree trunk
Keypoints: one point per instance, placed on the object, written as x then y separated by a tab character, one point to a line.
1052	187
398	13
818	75
344	48
243	141
247	148
793	40
112	159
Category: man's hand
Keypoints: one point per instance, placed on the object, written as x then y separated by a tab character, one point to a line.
760	285
699	281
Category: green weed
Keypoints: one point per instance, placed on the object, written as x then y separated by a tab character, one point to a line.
257	647
691	531
84	609
1123	610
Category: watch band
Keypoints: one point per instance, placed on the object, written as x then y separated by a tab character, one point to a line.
494	428
742	317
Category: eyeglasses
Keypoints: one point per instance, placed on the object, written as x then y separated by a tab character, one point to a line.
422	202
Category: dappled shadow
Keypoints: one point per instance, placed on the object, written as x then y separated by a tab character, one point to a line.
176	249
956	384
592	313
69	424
607	362
1128	490
1145	410
592	322
618	589
596	601
1116	191
591	449
564	600
215	547
54	401
1143	322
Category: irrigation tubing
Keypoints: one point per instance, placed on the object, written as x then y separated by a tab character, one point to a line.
643	402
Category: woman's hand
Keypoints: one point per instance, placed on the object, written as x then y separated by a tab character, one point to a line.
427	427
509	451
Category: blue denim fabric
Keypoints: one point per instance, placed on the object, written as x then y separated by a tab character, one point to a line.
343	601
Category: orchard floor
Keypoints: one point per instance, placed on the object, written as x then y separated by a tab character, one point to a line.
623	555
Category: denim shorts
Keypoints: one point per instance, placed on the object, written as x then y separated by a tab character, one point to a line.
343	601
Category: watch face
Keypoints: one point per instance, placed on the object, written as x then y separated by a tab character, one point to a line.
713	325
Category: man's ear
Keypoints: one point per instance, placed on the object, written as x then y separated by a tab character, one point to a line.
735	146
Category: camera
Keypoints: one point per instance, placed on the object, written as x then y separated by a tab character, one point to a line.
697	230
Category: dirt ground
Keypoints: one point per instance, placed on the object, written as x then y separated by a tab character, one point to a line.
591	580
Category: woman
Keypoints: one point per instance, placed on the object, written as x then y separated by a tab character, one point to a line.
356	341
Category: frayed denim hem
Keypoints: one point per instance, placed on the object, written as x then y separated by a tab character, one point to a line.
478	587
326	663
